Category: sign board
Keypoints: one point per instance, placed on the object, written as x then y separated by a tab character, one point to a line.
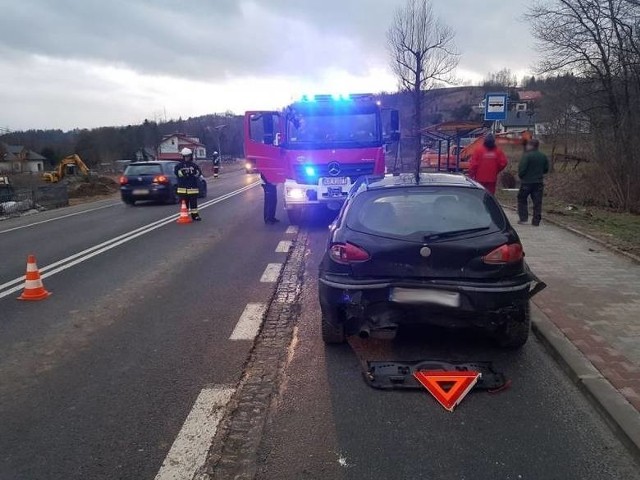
495	106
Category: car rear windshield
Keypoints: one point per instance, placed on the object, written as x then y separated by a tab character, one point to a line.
146	169
424	213
169	167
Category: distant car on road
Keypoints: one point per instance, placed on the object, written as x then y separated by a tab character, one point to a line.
437	250
250	166
153	181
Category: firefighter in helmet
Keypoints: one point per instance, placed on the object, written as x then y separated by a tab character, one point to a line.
188	174
216	164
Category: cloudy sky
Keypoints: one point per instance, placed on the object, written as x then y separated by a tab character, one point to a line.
89	63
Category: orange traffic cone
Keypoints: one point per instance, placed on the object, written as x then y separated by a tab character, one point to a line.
184	214
33	288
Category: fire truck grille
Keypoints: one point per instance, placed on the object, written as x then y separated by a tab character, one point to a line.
351	170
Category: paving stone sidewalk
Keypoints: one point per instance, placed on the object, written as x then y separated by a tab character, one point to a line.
592	296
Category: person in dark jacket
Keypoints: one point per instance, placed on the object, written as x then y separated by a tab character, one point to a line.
188	174
487	162
531	169
216	164
270	200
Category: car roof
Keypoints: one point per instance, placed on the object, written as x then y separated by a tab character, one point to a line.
153	162
374	182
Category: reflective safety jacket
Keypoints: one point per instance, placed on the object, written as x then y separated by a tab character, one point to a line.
188	174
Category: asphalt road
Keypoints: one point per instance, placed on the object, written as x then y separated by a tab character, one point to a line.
97	380
328	423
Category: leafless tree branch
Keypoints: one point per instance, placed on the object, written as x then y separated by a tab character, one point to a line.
423	53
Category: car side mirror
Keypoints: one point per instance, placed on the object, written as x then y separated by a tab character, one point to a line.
395	120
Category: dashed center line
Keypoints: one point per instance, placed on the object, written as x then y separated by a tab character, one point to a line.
271	273
284	246
189	450
249	324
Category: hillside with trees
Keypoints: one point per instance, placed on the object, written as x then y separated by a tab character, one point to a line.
103	146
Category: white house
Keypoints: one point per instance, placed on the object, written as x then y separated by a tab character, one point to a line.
19	159
171	145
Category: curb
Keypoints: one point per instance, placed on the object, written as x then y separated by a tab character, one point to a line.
603	243
617	412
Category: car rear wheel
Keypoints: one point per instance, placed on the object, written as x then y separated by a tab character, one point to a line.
332	326
515	331
173	197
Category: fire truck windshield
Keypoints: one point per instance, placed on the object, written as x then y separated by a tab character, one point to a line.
326	129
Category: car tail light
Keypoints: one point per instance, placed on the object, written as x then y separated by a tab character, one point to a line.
346	253
160	179
123	180
507	253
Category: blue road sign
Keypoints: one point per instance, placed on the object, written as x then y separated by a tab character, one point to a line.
495	106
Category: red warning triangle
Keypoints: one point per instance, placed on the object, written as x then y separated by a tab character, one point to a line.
461	383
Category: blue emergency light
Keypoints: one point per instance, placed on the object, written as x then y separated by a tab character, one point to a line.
336	97
310	171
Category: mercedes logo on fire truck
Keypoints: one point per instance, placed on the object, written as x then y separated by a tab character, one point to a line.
334	169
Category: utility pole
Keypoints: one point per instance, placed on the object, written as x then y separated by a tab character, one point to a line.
219	131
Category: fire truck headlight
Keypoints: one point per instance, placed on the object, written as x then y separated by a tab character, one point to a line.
295	193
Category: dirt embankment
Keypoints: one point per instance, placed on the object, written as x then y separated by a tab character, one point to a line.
93	187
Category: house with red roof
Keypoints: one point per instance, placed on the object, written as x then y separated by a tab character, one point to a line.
171	145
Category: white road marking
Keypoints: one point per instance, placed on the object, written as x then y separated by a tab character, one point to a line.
189	450
59	218
292	229
249	324
271	273
284	246
91	252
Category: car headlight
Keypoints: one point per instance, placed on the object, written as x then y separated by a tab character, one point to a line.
295	193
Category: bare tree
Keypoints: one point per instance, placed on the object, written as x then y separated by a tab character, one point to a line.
501	79
598	41
423	54
565	127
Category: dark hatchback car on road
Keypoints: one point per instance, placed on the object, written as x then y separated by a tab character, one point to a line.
153	181
437	249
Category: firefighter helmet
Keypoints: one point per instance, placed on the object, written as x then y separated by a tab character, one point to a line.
185	152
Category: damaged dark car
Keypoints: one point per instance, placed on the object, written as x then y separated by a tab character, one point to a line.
435	248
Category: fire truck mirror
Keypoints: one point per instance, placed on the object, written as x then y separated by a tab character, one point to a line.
395	121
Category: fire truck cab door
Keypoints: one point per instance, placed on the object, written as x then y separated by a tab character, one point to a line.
263	135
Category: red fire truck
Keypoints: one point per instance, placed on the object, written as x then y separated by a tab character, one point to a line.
319	146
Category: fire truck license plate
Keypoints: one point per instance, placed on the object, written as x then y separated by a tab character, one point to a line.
335	181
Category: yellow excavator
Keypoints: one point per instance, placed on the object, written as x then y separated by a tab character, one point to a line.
70	165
